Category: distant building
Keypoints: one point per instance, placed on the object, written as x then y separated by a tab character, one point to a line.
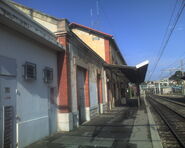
162	87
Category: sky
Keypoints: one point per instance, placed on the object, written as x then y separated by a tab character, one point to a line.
138	27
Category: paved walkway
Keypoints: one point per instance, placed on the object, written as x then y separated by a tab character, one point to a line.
123	127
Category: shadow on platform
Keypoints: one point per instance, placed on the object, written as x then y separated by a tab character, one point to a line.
132	102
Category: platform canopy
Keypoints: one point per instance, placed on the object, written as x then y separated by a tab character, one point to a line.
135	74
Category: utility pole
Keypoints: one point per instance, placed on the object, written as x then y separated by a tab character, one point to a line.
171	70
159	86
182	69
182	66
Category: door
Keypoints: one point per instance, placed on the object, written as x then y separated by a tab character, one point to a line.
7	112
52	111
81	94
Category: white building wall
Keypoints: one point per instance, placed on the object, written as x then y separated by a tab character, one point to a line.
32	97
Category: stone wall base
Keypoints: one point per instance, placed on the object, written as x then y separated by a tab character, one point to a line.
94	112
87	114
65	121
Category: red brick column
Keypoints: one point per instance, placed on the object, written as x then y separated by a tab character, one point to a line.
64	102
87	97
107	51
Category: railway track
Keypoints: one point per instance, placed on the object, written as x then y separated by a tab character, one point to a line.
177	107
173	100
173	115
180	99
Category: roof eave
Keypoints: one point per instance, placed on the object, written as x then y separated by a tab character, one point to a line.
119	52
13	21
74	25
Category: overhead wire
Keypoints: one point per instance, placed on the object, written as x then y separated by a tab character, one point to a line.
167	38
172	64
175	61
170	70
160	52
166	31
170	74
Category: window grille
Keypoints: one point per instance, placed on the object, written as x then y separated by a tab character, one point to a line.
30	71
48	74
8	126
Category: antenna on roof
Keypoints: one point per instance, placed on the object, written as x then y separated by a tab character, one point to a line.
91	14
97	7
95	20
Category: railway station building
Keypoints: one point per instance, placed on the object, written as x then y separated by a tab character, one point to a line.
105	46
55	75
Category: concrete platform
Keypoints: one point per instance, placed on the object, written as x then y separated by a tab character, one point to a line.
123	127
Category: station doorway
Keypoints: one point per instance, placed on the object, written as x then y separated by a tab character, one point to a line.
7	112
81	94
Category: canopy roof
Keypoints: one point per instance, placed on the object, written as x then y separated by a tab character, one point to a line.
135	74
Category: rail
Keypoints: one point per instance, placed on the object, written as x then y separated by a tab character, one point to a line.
171	118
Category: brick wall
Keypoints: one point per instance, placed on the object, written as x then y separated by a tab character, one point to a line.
64	101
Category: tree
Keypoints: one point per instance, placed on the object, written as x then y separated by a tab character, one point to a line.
177	77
